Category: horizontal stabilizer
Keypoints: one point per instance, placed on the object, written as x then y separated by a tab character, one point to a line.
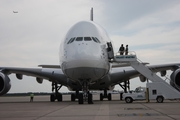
49	66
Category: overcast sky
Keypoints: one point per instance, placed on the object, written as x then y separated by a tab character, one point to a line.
32	36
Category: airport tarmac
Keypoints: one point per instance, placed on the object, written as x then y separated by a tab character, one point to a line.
19	108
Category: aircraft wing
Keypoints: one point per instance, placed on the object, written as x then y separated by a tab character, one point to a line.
121	74
163	67
50	74
117	74
115	64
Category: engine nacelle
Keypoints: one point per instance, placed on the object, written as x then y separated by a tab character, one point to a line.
175	79
142	78
5	83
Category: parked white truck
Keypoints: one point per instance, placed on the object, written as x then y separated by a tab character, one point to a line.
153	91
138	94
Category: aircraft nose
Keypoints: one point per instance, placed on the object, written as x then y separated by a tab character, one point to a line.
84	51
85	54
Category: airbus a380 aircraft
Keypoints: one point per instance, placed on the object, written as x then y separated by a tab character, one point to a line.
85	64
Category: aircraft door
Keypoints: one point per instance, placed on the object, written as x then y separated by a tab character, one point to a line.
110	50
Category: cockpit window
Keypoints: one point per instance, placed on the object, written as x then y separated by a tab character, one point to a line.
71	40
95	40
79	38
87	39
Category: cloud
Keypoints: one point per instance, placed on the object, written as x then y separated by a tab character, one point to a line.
152	35
162	18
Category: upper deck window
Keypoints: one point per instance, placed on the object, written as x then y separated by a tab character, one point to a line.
87	39
79	38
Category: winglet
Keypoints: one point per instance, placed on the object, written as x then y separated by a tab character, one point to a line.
91	14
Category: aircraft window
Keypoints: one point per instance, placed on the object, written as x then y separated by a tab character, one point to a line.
94	40
72	40
97	40
69	41
79	38
87	39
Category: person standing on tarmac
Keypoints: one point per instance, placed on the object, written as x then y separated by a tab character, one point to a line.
121	49
31	97
126	50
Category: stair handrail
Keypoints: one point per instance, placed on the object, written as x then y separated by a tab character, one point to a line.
129	53
167	78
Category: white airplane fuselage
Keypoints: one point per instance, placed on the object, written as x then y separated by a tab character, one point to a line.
83	52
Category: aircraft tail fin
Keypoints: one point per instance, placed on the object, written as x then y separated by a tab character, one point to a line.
91	14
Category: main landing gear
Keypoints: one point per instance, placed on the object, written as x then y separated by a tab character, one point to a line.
105	95
75	96
125	86
56	95
86	95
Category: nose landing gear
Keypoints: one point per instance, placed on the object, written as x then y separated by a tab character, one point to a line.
85	95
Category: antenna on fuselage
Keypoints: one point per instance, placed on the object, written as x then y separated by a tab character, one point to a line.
91	14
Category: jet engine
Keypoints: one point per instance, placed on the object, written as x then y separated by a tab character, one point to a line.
5	83
142	78
175	79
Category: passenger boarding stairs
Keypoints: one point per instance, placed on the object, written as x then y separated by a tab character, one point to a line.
137	65
132	59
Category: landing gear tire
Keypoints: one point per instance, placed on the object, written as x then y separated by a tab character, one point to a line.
109	97
160	99
72	97
101	97
52	98
59	97
80	100
128	100
90	98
